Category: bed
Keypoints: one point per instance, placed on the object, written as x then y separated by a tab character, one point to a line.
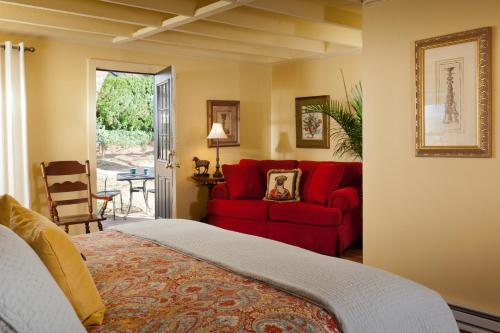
185	276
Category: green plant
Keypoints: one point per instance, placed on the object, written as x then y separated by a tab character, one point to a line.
126	103
122	138
347	137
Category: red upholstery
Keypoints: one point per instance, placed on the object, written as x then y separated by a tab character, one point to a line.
266	165
220	191
328	227
322	240
353	174
305	213
324	181
243	209
251	227
240	181
308	168
346	198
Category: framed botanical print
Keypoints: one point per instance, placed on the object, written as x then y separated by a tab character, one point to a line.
454	95
312	129
226	113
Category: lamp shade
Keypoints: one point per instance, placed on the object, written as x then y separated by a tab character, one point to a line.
217	132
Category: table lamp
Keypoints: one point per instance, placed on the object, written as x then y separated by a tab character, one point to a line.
217	133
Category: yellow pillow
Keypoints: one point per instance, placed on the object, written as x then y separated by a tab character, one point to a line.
63	260
6	201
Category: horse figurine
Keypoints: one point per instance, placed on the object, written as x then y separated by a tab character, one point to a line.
199	164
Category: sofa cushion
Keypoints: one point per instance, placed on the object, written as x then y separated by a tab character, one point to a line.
305	213
266	165
308	168
324	181
243	181
244	209
352	175
283	185
249	161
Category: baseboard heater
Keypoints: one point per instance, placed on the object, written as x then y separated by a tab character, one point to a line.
475	321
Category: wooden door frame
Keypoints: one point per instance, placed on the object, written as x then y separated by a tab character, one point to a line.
99	64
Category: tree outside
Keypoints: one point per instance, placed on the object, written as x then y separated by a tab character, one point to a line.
124	135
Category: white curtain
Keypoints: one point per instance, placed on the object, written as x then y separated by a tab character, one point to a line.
14	176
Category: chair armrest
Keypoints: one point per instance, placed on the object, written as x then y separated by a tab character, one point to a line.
220	191
102	197
345	198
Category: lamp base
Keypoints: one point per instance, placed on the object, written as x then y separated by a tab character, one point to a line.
217	174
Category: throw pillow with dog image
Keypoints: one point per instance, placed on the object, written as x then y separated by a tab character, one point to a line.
283	185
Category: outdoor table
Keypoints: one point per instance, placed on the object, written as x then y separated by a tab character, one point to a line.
130	177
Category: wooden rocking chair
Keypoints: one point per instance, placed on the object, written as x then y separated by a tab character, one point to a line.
72	168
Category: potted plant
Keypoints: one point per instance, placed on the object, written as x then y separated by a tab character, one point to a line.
347	137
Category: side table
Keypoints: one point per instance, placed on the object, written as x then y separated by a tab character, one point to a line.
209	182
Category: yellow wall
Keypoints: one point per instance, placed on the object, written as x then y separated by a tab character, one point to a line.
306	78
434	220
57	109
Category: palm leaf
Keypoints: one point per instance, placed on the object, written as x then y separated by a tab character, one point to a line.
347	136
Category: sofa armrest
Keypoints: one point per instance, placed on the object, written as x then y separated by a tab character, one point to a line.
345	198
220	191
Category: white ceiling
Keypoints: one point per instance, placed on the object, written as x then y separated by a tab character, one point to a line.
261	31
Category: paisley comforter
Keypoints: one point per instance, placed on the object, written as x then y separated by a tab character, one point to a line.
150	288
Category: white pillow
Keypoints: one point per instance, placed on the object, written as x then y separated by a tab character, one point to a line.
30	299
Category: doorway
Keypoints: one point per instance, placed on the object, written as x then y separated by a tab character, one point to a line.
125	143
131	135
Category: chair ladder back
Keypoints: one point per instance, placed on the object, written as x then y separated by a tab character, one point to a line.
66	168
89	187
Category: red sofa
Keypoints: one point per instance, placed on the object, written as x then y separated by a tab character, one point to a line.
324	228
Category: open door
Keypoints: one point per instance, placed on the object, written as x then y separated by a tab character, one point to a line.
164	144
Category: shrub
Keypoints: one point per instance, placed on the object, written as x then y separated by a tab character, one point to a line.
123	138
126	103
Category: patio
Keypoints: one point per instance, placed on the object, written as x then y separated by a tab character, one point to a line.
116	160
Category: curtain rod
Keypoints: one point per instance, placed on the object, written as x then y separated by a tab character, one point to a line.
16	47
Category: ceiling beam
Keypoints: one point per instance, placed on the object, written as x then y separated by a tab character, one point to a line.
34	17
177	21
96	9
312	11
255	37
137	46
207	43
257	19
177	7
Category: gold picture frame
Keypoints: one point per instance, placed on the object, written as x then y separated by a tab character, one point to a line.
453	82
318	135
228	114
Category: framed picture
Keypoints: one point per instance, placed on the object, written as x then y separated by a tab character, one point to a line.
454	95
312	129
228	114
